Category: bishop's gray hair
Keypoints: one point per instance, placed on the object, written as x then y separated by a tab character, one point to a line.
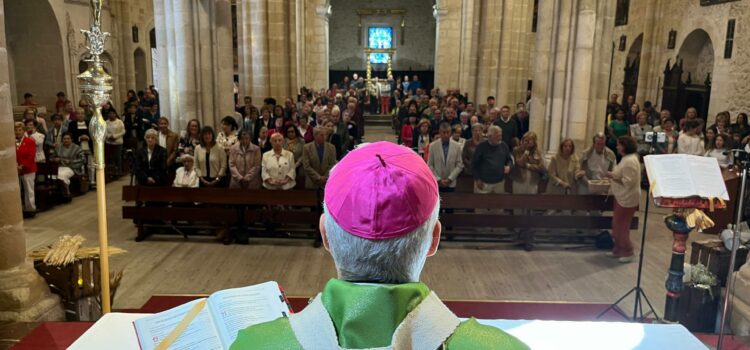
391	261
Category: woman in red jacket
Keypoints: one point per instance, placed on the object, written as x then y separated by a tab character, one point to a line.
25	153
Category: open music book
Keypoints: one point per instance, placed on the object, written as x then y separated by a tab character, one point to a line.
684	176
225	313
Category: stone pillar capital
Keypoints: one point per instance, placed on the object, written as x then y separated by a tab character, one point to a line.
439	12
324	11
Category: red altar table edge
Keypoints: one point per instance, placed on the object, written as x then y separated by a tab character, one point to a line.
60	335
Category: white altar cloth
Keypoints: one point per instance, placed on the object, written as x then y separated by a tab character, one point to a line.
115	331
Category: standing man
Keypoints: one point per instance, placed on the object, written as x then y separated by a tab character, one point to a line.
445	159
509	126
491	162
415	85
318	158
522	118
490	103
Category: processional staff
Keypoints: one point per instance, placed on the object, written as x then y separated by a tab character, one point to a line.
96	86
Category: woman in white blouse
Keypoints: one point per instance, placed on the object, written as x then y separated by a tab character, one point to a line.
115	133
186	175
228	135
278	167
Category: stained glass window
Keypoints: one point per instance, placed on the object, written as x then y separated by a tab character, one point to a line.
380	38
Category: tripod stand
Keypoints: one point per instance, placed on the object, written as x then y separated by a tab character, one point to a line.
638	290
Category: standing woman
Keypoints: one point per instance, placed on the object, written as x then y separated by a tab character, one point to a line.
741	126
669	145
564	169
305	130
263	141
294	143
529	165
617	127
26	166
228	135
190	140
210	159
115	133
526	175
626	180
470	146
244	163
277	169
422	138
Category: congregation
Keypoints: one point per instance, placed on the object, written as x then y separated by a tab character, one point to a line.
295	144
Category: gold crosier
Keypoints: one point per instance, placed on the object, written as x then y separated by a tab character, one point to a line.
96	86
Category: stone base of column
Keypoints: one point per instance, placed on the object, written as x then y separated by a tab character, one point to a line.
25	297
740	314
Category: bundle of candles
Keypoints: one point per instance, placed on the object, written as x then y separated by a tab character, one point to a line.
67	250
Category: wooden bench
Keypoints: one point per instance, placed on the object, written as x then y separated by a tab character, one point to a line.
264	213
469	215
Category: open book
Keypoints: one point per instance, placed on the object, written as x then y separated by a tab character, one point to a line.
684	176
216	325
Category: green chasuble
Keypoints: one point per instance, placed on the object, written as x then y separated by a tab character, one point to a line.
367	315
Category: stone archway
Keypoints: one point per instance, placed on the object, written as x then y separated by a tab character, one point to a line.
35	50
632	69
141	70
697	55
687	82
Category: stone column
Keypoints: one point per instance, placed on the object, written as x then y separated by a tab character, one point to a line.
126	45
24	295
198	67
649	53
162	33
571	68
315	45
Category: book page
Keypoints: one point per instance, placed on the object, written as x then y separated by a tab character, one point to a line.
707	177
671	175
236	309
200	334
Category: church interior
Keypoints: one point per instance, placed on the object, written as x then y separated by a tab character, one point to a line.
196	140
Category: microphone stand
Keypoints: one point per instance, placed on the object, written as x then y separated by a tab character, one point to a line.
744	164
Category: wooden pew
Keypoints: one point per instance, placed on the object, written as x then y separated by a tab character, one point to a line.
470	215
262	212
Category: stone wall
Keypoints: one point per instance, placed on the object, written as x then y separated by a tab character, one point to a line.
656	18
347	41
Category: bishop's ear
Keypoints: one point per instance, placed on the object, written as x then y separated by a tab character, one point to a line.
435	239
322	227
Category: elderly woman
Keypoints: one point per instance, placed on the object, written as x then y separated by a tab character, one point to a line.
186	175
564	169
26	166
294	143
151	162
626	181
278	166
244	163
71	160
228	135
210	159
